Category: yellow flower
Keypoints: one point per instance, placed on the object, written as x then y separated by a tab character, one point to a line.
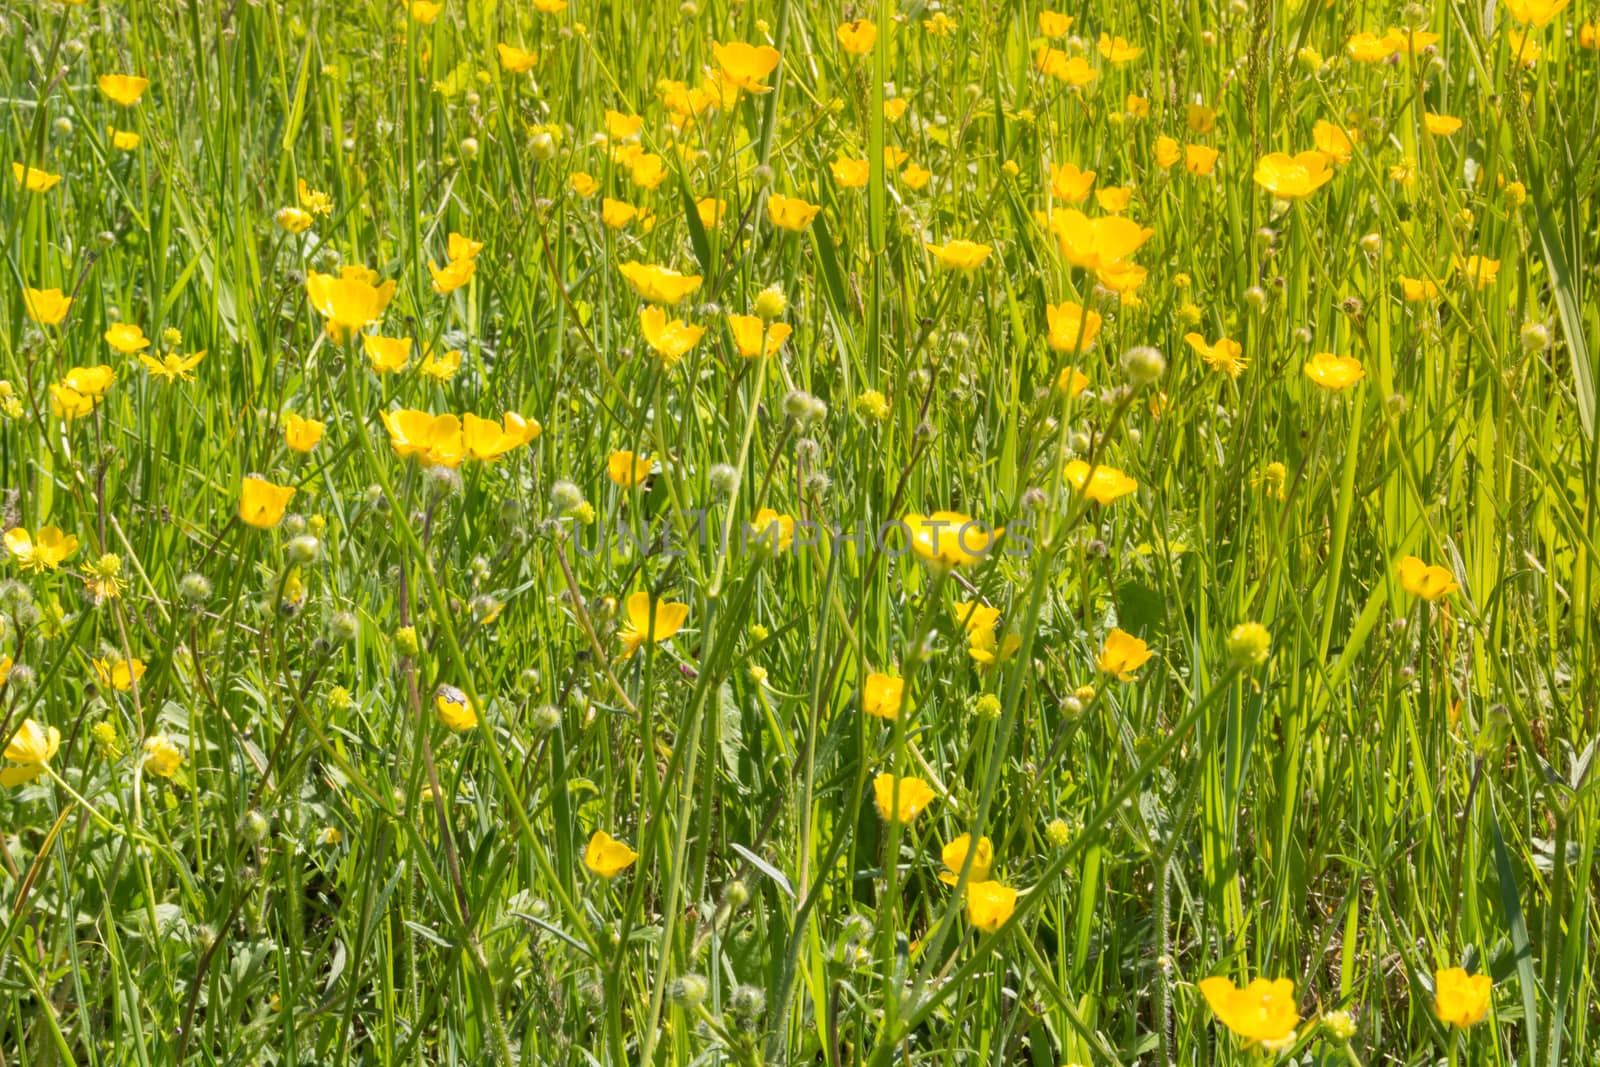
790	213
523	429
916	177
1292	177
550	7
644	624
1416	290
746	65
858	37
261	503
453	708
516	60
901	799
35	181
1121	278
659	285
318	203
629	470
424	12
949	538
960	254
606	856
161	757
118	674
773	529
940	25
989	905
1333	372
122	140
1122	654
1104	485
1589	36
1071	328
463	247
434	439
1430	582
881	695
583	184
103	581
616	214
1116	50
1071	380
1114	201
172	367
647	170
1137	107
671	340
485	439
1371	48
452	276
1199	118
67	403
893	109
1334	142
126	338
45	552
293	219
1073	70
1054	24
1440	125
1199	159
710	211
124	89
1535	13
440	366
1480	270
47	307
954	855
1168	151
350	301
1222	355
1459	998
90	381
30	748
301	434
387	355
750	340
1263	1012
850	173
1095	243
622	127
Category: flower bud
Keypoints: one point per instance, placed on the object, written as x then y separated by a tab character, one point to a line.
724	479
688	991
771	302
194	588
303	550
405	641
1249	645
343	627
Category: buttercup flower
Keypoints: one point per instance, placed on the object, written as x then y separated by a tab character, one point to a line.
747	66
454	709
35	181
126	338
606	856
516	60
1428	581
162	758
387	355
30	748
1459	999
1122	654
858	37
659	285
1071	329
954	856
47	307
1263	1012
1117	50
452	276
1074	70
1220	355
960	254
644	624
881	695
1292	177
773	530
1070	184
118	674
124	89
46	552
850	173
1100	483
671	340
1095	243
790	213
989	905
301	434
261	503
949	538
750	340
1334	373
1054	24
350	301
901	799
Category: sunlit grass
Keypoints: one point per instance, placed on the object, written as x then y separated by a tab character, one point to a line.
797	533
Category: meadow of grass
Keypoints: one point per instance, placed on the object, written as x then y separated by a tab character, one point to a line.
498	501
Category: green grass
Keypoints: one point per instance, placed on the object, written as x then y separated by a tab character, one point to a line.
334	876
